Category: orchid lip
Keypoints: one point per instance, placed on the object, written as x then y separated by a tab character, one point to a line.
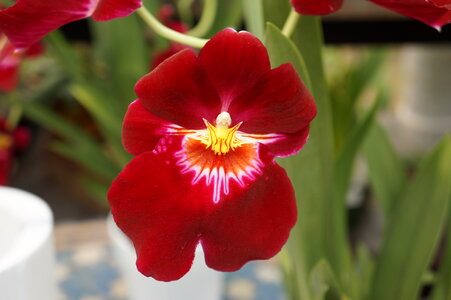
219	154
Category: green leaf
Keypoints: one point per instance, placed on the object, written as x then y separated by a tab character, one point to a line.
323	282
67	57
283	50
254	18
311	170
228	14
442	288
321	219
122	52
47	118
95	102
348	88
364	269
83	149
97	189
276	12
90	158
414	229
345	159
364	73
386	170
320	280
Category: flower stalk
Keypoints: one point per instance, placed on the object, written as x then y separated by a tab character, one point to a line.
206	20
169	33
290	23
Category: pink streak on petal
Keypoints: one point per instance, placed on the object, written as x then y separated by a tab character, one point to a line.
233	61
141	130
278	102
179	91
281	144
241	166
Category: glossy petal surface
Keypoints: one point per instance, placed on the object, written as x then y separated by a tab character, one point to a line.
277	102
233	61
27	21
179	92
288	143
166	213
141	130
435	13
316	7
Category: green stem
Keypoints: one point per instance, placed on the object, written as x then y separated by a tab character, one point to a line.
253	13
206	20
169	33
290	23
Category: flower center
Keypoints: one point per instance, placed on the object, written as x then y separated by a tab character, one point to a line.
220	138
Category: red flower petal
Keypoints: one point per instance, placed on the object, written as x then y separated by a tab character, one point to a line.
28	21
35	50
179	92
163	55
141	130
5	165
21	138
166	210
112	9
435	13
316	7
288	143
253	223
233	61
9	72
277	103
153	203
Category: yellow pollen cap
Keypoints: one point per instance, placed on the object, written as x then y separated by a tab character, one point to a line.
220	138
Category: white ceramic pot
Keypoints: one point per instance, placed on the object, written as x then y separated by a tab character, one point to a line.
26	247
201	283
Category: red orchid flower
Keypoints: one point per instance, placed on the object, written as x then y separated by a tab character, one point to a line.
27	21
435	13
10	60
11	141
205	131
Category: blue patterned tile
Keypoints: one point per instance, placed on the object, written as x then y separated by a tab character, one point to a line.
89	273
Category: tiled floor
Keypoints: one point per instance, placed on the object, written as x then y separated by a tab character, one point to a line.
86	269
